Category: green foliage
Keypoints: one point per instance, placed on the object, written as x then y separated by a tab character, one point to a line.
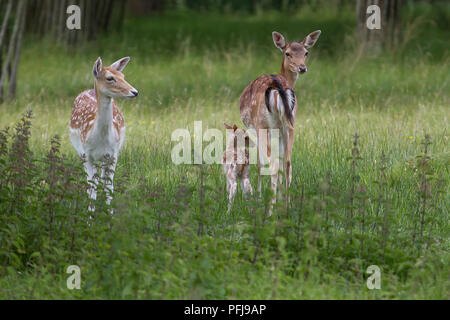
174	243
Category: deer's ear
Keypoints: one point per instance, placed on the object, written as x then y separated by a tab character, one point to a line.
97	70
278	40
120	64
227	126
311	39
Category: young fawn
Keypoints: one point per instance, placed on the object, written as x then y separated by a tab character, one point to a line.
97	128
269	102
236	163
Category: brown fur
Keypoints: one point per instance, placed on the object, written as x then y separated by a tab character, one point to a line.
236	163
252	101
256	112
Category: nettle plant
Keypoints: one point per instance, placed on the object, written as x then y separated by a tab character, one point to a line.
42	203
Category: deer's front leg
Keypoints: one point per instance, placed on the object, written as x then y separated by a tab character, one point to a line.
245	183
92	179
108	178
262	148
231	177
281	172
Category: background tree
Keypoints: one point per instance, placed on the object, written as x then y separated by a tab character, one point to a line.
390	32
11	33
48	18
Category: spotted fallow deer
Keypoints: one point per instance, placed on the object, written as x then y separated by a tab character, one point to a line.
269	102
97	127
236	162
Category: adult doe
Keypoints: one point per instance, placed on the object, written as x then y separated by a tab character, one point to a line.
269	102
97	128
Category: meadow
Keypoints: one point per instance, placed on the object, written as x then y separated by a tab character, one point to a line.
370	166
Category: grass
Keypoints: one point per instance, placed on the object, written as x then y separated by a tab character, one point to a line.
171	237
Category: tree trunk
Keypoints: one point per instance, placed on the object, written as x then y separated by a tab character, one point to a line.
13	77
47	18
388	35
10	45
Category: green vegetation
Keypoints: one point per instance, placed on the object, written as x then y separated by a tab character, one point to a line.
380	198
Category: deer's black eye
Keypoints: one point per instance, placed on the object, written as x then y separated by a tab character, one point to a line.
110	79
306	54
287	54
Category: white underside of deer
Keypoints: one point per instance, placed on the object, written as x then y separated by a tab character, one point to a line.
97	128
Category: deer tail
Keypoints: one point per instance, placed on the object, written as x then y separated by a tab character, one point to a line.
288	104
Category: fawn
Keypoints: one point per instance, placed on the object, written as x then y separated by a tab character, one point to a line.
97	127
235	162
269	102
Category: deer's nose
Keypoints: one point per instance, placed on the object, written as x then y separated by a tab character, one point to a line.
302	69
135	92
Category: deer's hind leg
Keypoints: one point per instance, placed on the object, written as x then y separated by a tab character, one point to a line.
274	167
262	150
245	182
288	172
282	165
231	181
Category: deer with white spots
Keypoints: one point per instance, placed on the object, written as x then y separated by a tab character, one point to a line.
269	102
97	127
236	162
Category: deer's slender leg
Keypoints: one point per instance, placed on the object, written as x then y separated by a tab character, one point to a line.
260	156
245	182
282	167
274	166
259	173
233	187
92	179
108	178
288	172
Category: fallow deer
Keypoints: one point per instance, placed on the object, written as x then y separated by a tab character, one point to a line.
269	102
236	162
97	127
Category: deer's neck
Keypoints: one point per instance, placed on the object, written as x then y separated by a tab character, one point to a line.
104	112
289	75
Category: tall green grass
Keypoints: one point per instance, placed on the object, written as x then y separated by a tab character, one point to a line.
384	204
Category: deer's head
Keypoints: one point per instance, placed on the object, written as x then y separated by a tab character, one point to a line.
110	80
295	53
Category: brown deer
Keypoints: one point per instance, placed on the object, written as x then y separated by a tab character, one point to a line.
97	127
236	162
269	102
